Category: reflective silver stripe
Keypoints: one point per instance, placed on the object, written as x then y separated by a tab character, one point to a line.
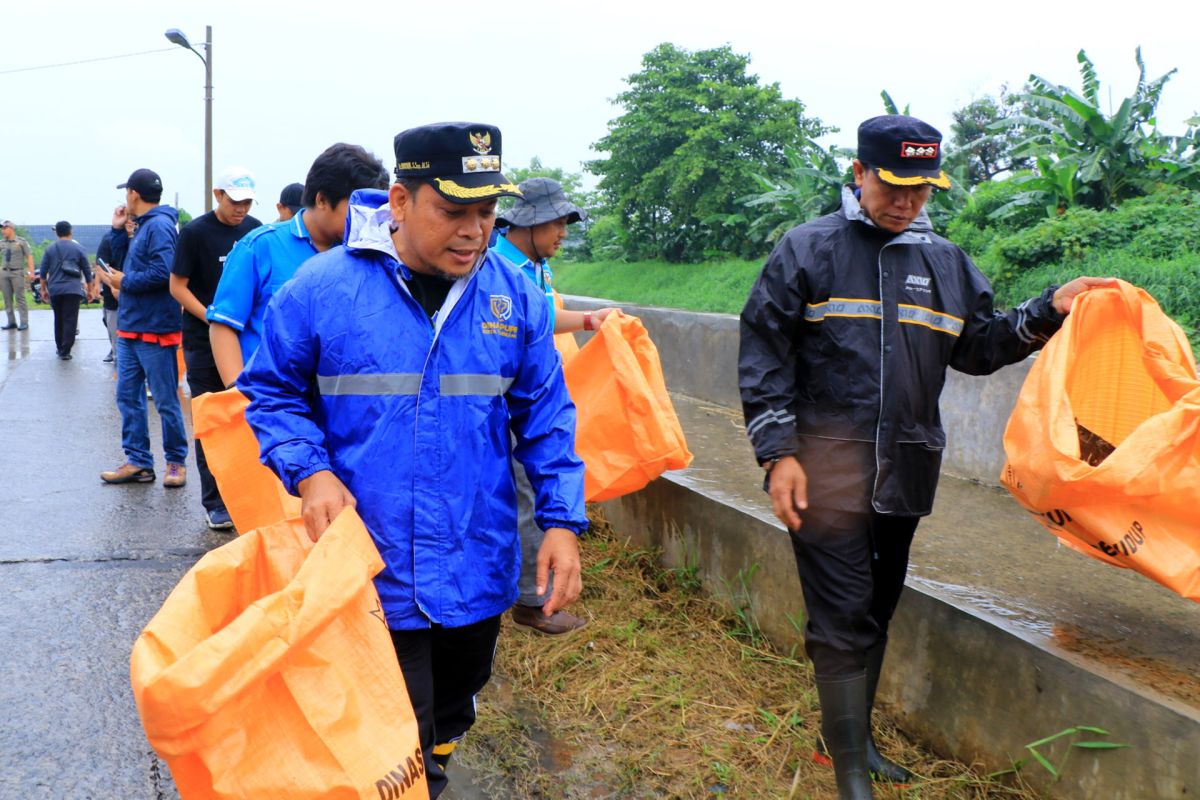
843	308
400	383
766	418
472	384
919	315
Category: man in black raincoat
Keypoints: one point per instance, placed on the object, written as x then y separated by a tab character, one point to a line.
845	341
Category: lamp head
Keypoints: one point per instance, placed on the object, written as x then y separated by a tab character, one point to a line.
176	36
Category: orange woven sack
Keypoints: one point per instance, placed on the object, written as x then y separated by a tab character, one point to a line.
253	495
627	433
1103	446
269	672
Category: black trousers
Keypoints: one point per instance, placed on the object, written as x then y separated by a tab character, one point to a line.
66	320
444	668
203	377
852	569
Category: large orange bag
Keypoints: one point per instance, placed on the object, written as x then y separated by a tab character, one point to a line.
252	493
269	672
1103	446
627	432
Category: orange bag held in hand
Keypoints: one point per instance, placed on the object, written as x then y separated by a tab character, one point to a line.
1103	446
269	672
252	493
627	432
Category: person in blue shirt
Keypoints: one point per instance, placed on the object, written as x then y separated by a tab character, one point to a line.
268	257
534	230
393	376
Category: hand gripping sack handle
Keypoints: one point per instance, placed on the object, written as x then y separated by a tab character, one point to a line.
1103	446
269	672
627	432
253	495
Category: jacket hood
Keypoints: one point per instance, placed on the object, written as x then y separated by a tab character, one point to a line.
367	222
854	212
161	211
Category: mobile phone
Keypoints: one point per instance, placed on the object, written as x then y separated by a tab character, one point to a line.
103	266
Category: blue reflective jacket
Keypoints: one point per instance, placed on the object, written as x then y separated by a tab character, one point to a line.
414	417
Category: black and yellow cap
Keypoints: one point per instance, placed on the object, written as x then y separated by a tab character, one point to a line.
461	160
903	151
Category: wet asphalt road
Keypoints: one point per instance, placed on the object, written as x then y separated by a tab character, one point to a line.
83	567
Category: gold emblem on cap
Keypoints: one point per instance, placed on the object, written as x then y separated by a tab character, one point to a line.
471	164
481	142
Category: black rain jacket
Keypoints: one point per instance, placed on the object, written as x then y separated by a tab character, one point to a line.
842	345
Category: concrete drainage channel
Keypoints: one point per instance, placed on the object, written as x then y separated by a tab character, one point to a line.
1002	638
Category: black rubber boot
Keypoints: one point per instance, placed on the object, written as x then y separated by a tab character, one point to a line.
844	729
881	768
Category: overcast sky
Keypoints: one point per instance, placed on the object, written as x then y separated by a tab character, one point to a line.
292	78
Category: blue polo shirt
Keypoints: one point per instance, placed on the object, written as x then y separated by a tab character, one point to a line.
540	273
262	261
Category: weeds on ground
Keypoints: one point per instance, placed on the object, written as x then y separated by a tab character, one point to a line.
667	694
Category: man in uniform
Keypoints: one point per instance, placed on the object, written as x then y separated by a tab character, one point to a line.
535	227
204	244
390	375
845	341
268	257
16	270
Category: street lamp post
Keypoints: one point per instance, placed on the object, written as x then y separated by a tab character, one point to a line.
176	36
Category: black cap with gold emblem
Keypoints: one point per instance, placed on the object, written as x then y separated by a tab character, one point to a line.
461	160
903	151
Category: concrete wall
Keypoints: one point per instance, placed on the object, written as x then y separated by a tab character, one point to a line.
699	357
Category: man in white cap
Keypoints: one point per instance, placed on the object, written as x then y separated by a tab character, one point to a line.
200	256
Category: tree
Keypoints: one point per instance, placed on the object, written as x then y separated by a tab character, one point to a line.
980	145
1087	158
695	130
810	186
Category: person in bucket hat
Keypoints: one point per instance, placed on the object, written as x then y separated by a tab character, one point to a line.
845	341
533	231
399	375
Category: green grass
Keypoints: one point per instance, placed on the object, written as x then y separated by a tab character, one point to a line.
716	286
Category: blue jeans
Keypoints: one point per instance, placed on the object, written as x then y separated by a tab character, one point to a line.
140	364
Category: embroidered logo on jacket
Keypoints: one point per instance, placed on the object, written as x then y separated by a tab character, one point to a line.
501	308
916	280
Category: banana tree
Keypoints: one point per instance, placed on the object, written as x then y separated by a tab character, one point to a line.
1086	157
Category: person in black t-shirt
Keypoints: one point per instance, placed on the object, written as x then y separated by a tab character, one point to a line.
199	260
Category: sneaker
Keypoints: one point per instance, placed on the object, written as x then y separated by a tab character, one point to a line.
24	326
218	519
108	359
556	624
176	476
128	473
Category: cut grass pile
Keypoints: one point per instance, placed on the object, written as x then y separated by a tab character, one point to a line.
667	694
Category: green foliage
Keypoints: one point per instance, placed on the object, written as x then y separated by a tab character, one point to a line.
695	130
810	186
1085	157
1163	225
981	146
715	286
184	216
1076	742
890	107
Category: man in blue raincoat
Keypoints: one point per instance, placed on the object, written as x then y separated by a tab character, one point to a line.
390	374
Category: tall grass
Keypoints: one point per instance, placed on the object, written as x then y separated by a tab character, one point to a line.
715	286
